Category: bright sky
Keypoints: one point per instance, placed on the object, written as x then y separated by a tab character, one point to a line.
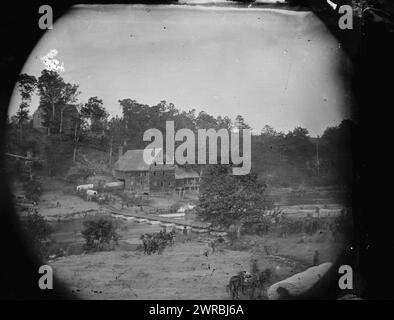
273	67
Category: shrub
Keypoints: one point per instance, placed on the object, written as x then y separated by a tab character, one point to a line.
99	232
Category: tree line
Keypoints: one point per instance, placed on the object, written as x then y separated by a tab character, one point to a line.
278	158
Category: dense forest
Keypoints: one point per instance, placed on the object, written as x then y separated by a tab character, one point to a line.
278	158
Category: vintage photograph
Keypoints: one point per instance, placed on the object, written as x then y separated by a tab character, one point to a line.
199	149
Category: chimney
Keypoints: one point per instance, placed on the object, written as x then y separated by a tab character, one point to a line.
120	151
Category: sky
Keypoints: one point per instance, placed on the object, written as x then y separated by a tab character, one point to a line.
276	68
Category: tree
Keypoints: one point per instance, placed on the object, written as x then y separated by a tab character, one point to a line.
116	131
224	122
54	94
240	123
26	85
136	121
205	121
298	147
226	200
98	232
94	112
337	149
38	231
50	86
268	131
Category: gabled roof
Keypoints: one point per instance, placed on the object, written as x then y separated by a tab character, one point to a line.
133	160
68	107
185	173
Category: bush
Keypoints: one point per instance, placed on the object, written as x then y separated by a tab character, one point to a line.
99	232
38	231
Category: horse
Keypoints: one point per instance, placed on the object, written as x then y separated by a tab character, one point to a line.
235	284
238	283
246	281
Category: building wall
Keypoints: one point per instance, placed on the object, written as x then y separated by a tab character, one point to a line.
156	180
134	181
162	180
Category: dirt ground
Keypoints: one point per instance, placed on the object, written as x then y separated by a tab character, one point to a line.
182	271
68	204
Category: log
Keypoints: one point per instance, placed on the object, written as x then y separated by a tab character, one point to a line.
297	284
